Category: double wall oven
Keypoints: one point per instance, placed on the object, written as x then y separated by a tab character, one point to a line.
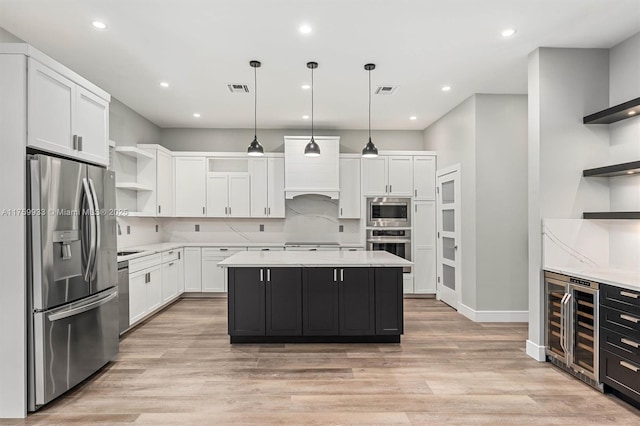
389	226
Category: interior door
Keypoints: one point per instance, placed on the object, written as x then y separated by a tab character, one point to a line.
449	253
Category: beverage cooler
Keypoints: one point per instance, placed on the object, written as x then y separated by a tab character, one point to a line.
571	325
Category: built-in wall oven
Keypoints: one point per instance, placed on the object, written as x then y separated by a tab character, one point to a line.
394	241
572	325
386	212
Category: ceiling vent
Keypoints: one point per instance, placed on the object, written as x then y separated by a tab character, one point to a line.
238	88
386	90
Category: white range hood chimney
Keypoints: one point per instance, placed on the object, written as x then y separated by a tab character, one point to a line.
312	175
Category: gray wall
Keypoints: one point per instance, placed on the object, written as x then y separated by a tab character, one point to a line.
487	136
127	127
7	37
564	86
237	140
454	138
624	71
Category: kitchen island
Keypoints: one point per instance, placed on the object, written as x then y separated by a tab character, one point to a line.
315	297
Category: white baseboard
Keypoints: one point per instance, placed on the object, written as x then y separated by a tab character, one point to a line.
536	352
493	316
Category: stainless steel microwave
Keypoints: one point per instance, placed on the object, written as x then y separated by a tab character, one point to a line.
389	212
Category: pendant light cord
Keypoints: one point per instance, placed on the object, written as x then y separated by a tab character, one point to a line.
255	102
369	104
311	103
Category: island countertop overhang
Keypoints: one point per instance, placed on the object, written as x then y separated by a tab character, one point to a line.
311	259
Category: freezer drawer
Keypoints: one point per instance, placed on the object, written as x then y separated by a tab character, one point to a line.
71	343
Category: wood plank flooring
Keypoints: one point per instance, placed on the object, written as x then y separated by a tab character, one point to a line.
178	368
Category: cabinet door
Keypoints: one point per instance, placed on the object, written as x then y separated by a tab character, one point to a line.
350	201
50	102
320	295
137	296
401	176
154	288
357	307
169	281
180	271
212	275
374	176
275	189
217	195
246	302
193	269
424	178
389	303
259	183
239	195
283	301
190	190
164	184
424	243
92	125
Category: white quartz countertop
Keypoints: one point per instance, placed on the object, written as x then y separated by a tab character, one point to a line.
304	259
624	278
149	249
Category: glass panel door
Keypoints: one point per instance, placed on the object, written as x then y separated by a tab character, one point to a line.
448	282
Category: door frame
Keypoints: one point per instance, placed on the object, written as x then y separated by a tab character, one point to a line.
454	169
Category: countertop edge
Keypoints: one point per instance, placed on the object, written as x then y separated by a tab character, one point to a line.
601	276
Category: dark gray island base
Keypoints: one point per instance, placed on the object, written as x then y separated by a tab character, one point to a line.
315	304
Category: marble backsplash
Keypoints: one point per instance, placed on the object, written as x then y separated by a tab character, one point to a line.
309	218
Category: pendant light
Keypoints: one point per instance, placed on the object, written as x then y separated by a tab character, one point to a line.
312	149
255	149
370	150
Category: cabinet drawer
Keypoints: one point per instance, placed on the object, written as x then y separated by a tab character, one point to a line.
620	373
220	251
620	321
144	262
619	344
170	255
621	298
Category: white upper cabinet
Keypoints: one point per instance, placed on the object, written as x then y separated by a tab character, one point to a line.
350	200
267	187
155	176
228	195
190	186
424	178
164	184
400	175
312	175
388	176
375	176
64	117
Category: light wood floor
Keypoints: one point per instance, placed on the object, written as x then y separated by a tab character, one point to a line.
179	368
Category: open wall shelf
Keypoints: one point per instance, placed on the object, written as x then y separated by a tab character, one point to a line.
133	186
134	152
625	110
614	170
611	215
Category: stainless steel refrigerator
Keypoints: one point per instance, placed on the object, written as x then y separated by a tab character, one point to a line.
73	315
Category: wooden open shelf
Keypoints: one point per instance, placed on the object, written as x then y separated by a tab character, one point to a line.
615	113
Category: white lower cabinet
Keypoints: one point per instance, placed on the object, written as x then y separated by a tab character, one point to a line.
180	271
170	273
193	269
214	278
145	292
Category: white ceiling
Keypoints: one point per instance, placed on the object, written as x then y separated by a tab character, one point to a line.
201	45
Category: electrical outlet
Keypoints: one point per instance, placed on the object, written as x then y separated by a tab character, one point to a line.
128	229
261	227
340	228
197	228
156	228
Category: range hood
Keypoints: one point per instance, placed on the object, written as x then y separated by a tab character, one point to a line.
312	175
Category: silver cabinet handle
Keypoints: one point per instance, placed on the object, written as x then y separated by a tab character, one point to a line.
386	188
415	191
390	188
342	275
261	275
268	275
340	211
171	252
224	249
229	210
79	143
172	263
269	211
335	275
225	210
631	367
630	343
159	209
203	211
630	318
627	294
265	210
75	142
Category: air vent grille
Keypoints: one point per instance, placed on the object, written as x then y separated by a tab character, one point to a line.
238	88
386	90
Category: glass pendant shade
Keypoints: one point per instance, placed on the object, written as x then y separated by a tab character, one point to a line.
370	150
255	149
312	149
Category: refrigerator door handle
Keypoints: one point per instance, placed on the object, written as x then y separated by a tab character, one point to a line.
92	231
80	309
97	220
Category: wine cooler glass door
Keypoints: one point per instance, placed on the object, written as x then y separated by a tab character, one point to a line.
584	347
556	318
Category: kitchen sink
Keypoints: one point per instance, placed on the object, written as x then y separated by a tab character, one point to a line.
127	253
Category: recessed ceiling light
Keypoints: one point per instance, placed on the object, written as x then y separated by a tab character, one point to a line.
305	87
631	112
164	84
446	88
305	117
413	117
196	115
99	25
305	29
509	32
